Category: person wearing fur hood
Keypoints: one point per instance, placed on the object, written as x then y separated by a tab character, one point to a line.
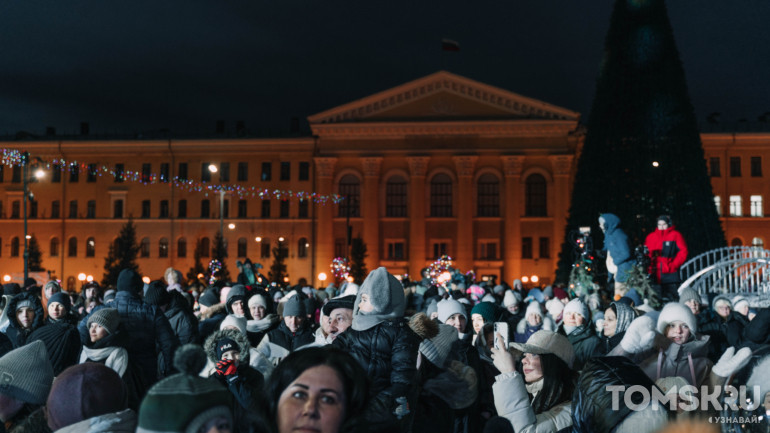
534	320
229	350
671	347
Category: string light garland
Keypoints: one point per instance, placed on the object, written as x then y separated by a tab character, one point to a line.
439	267
340	268
215	266
13	157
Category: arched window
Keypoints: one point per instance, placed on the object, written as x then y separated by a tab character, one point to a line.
488	196
242	247
736	242
536	196
90	247
302	246
181	248
163	247
441	196
54	247
72	248
144	248
205	247
350	188
396	197
15	247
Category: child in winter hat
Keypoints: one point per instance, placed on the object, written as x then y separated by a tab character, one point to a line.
511	301
185	402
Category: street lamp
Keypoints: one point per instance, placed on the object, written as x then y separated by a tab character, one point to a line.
39	173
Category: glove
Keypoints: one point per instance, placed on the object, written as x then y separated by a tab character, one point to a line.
402	409
730	361
639	336
226	369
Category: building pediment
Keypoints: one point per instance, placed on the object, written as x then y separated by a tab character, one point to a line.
443	96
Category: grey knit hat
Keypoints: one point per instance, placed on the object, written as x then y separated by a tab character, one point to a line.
294	307
689	294
437	349
26	373
107	318
448	308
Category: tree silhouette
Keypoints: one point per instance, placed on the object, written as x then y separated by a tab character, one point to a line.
121	255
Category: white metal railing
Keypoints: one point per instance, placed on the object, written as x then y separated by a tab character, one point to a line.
728	270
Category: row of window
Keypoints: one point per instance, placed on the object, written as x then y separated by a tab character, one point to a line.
146	175
487	249
735	166
441	196
204	246
736	206
163	210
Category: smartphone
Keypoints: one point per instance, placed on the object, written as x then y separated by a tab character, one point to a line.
502	329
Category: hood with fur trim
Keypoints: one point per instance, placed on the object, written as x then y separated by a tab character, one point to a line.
213	311
210	346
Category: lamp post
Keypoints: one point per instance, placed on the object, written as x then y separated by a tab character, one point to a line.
25	178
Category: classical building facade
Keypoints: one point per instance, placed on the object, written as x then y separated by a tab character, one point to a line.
439	165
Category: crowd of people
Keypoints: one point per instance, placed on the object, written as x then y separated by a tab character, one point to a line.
385	356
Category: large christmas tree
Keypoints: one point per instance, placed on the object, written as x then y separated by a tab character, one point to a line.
642	155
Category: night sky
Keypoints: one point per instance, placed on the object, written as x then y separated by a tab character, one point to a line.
141	65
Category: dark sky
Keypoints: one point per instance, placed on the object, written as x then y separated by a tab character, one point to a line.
141	65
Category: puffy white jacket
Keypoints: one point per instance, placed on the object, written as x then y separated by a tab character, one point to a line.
512	403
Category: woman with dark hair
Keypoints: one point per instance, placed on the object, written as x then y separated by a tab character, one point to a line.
318	388
536	397
617	318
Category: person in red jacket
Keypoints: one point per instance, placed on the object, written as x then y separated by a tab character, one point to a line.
668	252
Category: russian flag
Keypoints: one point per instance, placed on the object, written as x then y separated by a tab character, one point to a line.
449	45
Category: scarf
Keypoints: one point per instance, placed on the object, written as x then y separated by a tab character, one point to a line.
113	357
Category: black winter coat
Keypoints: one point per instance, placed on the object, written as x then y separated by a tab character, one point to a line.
145	327
14	332
248	390
291	341
606	344
182	319
592	410
584	342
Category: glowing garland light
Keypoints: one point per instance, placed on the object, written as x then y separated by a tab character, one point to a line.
439	268
340	267
12	157
215	266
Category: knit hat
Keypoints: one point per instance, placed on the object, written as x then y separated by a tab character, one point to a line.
208	298
534	308
499	289
109	295
487	311
84	391
53	285
548	291
62	342
11	289
258	299
24	303
26	373
431	307
386	294
437	348
225	344
351	289
184	402
535	294
489	298
721	299
234	321
674	311
237	293
342	302
689	294
543	342
107	318
511	297
559	293
448	308
61	298
294	307
634	296
739	300
129	281
665	218
579	307
157	294
554	308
